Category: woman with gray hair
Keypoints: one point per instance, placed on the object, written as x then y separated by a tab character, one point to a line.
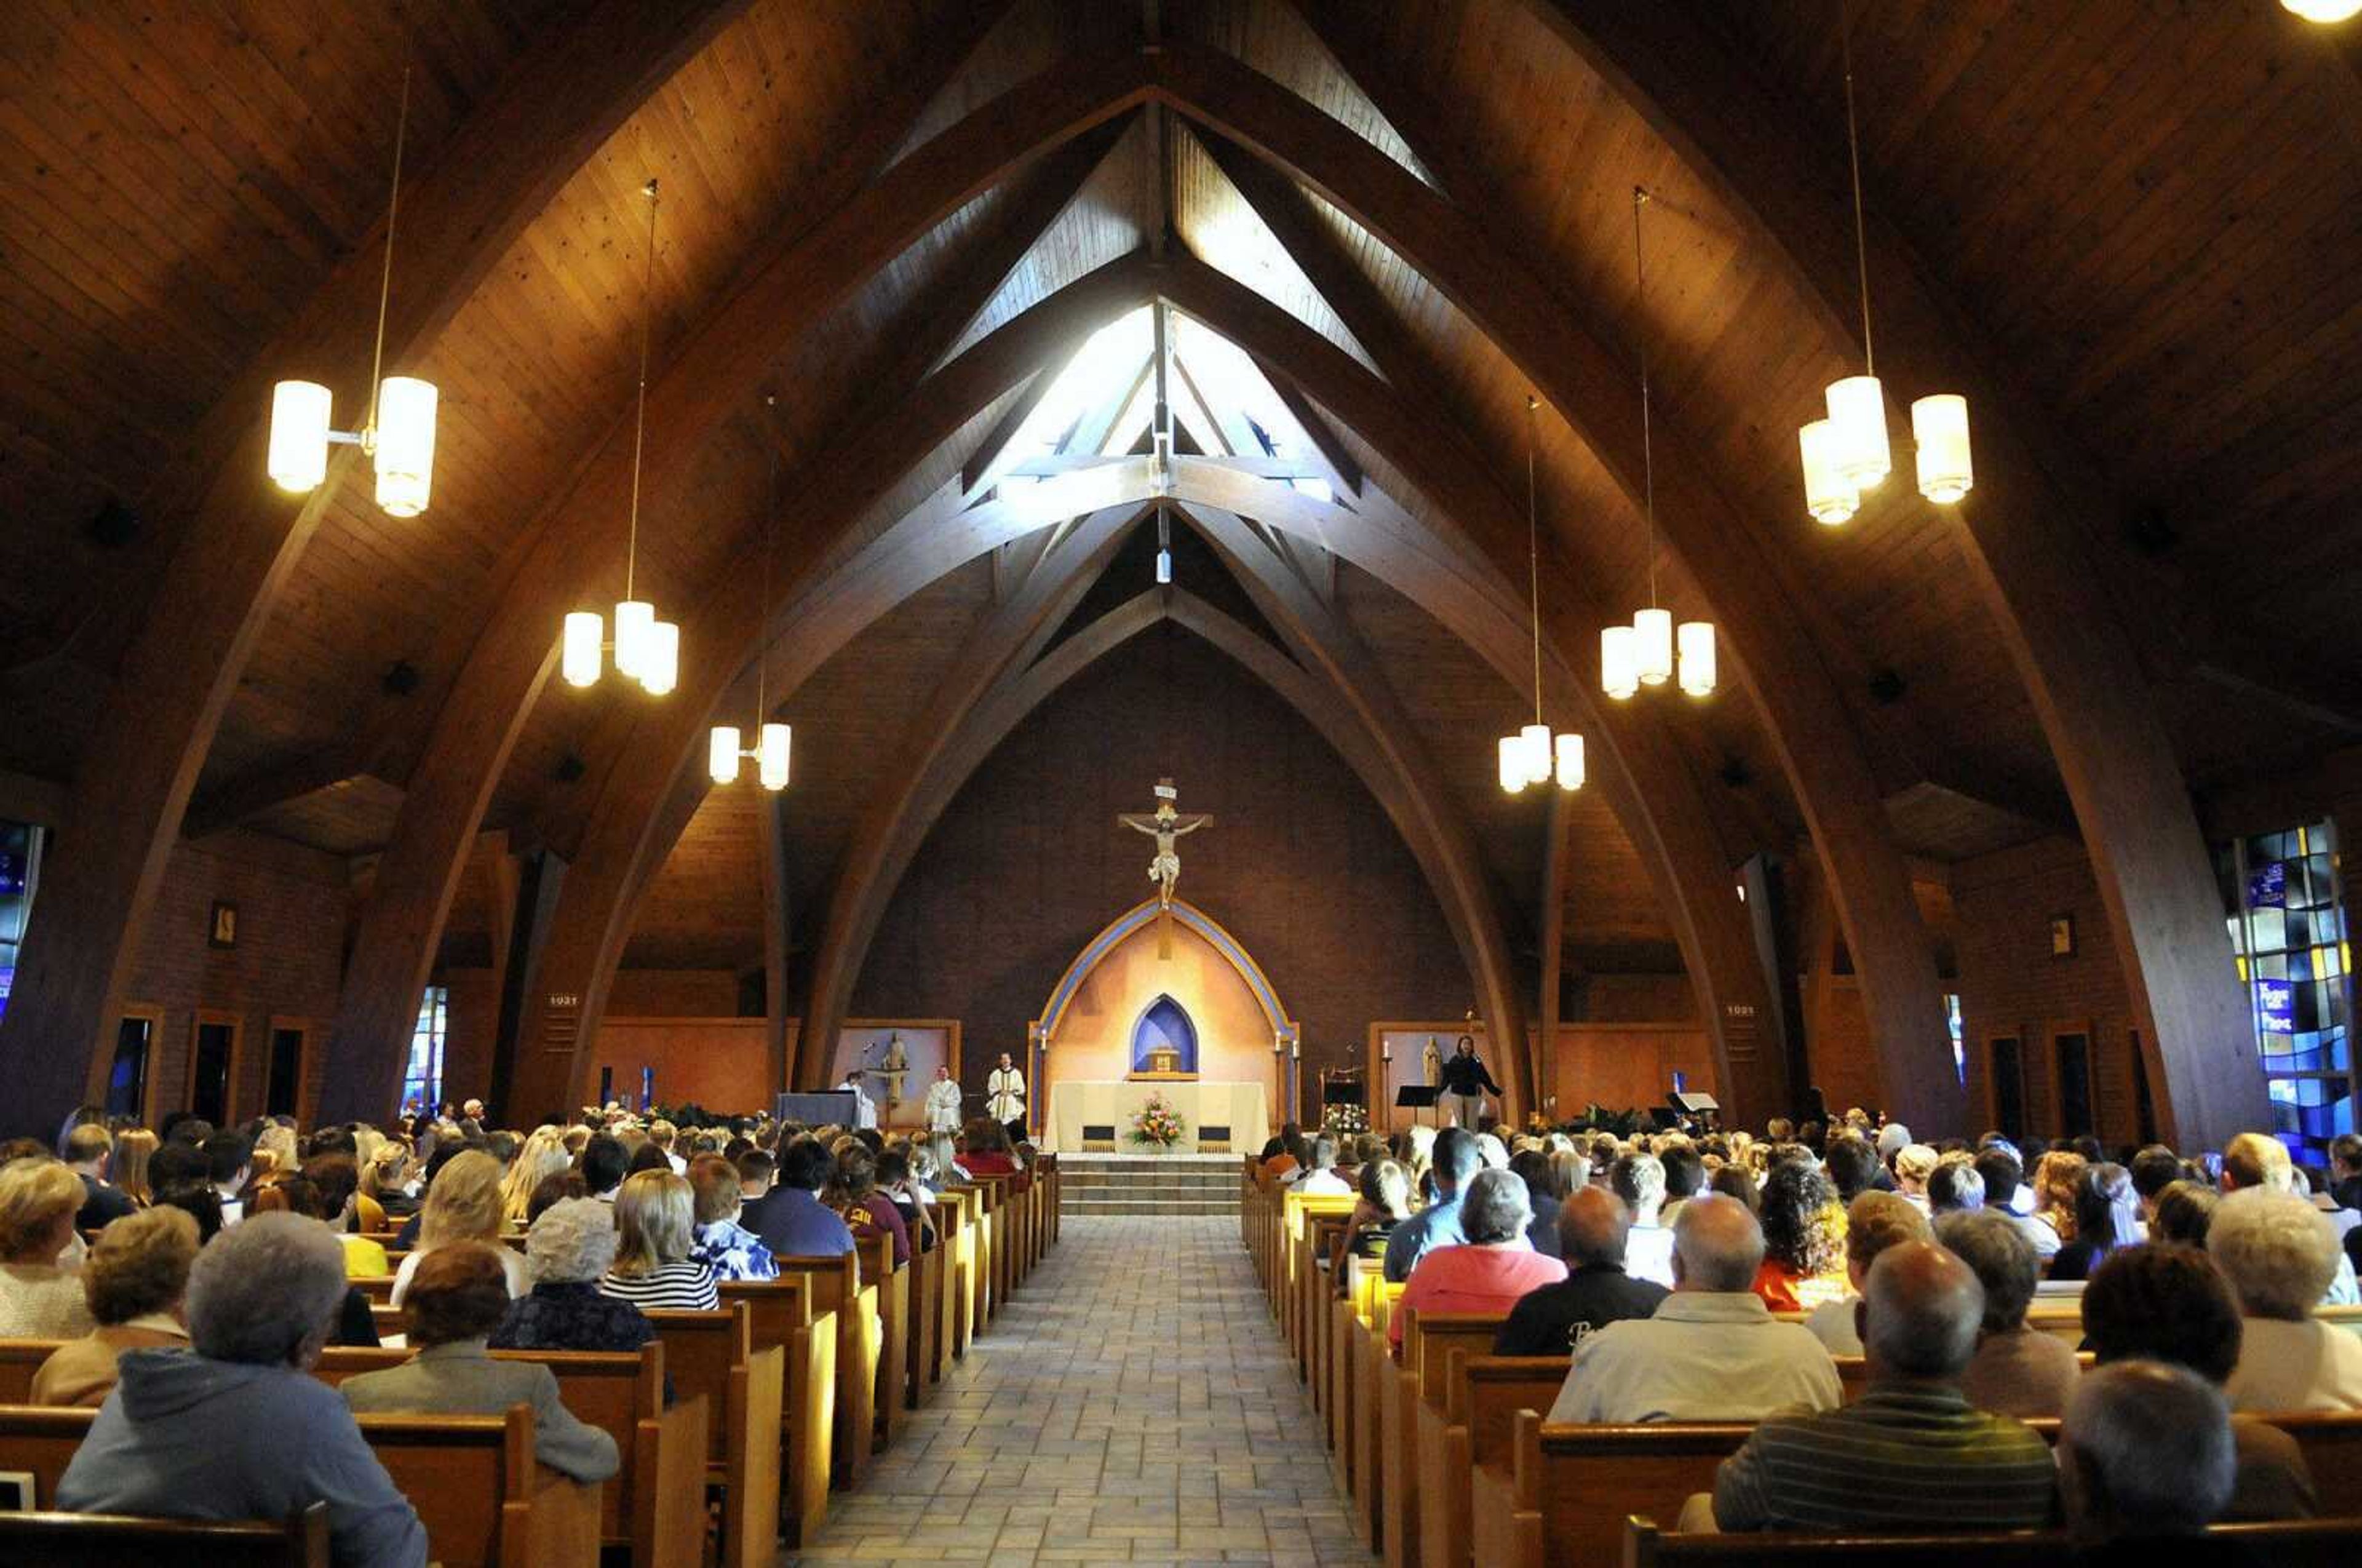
1493	1270
240	1428
2280	1253
567	1252
2017	1370
135	1280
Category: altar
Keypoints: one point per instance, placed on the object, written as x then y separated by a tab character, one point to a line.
1101	1105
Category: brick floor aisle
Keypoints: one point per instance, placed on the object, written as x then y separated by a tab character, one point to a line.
1134	1403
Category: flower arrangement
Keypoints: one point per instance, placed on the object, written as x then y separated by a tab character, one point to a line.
1345	1120
1156	1124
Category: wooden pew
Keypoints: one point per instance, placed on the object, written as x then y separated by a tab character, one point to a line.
653	1507
75	1541
1374	1369
891	1373
713	1355
1295	1261
926	1316
484	1501
1325	1239
963	1282
19	1360
2301	1543
1482	1396
1441	1512
781	1314
840	1287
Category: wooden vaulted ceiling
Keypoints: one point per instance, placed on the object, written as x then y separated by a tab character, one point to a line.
2089	190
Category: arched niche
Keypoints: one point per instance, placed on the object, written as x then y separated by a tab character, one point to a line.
1164	1041
1092	1020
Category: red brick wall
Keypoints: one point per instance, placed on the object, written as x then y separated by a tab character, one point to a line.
1302	865
2010	983
293	904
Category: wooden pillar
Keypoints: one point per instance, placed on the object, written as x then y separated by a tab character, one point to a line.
539	877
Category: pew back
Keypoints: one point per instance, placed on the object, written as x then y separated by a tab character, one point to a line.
75	1541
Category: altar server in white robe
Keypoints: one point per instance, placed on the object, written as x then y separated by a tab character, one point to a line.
942	1115
1005	1097
865	1110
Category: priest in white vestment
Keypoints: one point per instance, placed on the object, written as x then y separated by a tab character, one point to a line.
865	1110
943	1116
1005	1097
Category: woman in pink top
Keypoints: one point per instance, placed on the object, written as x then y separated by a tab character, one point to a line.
1493	1267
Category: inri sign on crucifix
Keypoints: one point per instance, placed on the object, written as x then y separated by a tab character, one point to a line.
1166	825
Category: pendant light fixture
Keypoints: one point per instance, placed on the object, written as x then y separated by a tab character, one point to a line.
1848	452
1533	755
397	432
645	649
1652	650
772	739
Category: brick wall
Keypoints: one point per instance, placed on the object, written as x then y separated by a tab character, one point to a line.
2010	983
293	905
1302	865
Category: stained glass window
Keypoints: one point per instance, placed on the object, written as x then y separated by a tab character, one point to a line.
20	871
422	1081
2289	936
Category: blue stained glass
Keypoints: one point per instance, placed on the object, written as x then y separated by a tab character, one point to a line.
2268	885
2273	1007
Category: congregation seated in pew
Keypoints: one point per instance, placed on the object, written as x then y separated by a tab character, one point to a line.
656	1227
1592	1226
2017	1370
135	1282
457	1298
39	1298
1491	1269
236	1426
569	1251
1875	1220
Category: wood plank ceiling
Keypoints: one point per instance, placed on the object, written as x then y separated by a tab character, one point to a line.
2169	269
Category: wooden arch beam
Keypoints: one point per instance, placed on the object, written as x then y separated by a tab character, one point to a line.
797	273
1322	642
1583	378
1009	640
654	786
2046	584
243	535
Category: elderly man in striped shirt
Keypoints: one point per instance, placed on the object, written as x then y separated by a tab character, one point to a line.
1912	1453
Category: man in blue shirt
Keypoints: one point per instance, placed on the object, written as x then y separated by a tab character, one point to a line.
1438	1224
789	1217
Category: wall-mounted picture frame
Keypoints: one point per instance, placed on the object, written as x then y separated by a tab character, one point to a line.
2062	936
222	929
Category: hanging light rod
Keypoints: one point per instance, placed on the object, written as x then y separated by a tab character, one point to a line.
772	740
1652	650
645	649
397	431
1533	755
1847	453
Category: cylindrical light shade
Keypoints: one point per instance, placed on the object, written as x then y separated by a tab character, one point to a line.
405	444
1513	763
771	756
1696	638
1164	566
661	668
299	436
634	617
2326	12
722	754
1828	497
1940	426
578	657
1858	410
1534	740
1619	669
1653	645
1569	762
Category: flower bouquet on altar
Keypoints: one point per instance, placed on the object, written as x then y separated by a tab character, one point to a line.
1156	1125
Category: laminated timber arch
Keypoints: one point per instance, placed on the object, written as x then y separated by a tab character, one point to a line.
242	535
2072	650
1577	374
656	785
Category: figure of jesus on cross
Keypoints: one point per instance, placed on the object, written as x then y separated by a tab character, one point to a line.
1166	825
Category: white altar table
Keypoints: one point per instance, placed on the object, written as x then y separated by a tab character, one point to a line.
1239	1106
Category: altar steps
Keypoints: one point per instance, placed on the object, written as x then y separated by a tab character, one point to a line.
1148	1183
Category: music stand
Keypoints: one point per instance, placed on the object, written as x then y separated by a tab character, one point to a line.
1416	1098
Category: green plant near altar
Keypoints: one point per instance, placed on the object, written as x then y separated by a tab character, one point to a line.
1156	1124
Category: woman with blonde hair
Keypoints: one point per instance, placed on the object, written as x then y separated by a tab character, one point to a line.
40	1300
127	1168
2057	1175
655	1225
385	1180
464	1205
543	1155
274	1152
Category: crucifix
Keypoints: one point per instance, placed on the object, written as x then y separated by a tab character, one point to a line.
1166	825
